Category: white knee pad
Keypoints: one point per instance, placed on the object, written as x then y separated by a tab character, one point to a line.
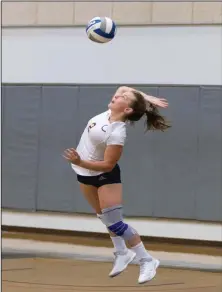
113	219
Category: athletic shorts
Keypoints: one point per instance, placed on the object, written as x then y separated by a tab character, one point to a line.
106	178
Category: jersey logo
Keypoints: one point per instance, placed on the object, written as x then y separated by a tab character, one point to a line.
91	126
104	128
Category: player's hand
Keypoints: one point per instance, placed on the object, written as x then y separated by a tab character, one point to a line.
72	156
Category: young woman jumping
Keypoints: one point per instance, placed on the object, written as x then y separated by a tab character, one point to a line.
95	162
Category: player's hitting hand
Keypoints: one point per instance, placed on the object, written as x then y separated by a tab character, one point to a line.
160	102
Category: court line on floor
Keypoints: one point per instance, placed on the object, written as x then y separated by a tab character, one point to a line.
139	287
20	269
88	286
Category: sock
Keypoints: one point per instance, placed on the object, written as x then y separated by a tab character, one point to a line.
141	252
98	216
119	243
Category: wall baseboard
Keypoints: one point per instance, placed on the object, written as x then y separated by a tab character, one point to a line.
147	227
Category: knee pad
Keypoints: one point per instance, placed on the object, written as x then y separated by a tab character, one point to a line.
113	219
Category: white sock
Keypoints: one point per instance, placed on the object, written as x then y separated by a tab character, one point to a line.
119	243
141	252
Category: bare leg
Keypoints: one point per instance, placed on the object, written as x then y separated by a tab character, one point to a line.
111	195
91	195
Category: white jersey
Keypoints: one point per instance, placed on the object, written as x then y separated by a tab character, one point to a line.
98	134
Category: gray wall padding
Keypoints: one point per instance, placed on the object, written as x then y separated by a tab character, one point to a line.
57	186
177	174
20	134
209	156
175	156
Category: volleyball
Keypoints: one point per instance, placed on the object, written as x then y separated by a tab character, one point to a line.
101	29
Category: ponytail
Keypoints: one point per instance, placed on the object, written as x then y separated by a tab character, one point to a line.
154	120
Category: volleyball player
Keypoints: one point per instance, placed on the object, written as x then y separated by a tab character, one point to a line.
95	162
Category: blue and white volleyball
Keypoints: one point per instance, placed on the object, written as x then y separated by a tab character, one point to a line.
101	29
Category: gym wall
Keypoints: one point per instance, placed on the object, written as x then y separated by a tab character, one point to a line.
176	174
62	13
54	80
143	55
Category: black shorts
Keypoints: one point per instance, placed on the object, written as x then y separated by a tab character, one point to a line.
106	178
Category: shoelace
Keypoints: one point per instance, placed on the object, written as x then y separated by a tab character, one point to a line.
143	268
116	254
143	265
115	259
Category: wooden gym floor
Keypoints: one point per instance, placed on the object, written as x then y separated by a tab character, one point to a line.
50	275
28	273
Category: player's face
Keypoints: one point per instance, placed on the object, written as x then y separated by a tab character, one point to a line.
122	103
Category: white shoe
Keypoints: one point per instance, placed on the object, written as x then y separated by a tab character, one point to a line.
122	259
147	270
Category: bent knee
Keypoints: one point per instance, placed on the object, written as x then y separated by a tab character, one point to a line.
113	219
118	228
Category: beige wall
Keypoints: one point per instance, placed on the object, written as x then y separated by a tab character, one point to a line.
79	13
